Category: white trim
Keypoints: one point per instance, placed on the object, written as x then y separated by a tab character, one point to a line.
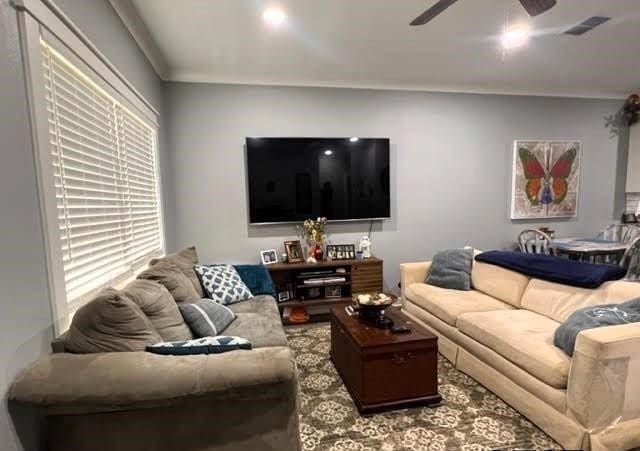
138	29
198	77
54	20
30	46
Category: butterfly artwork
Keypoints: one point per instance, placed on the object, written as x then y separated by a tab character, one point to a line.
545	179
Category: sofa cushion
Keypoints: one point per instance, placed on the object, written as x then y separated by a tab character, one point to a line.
158	305
524	338
185	260
222	283
204	345
174	280
500	283
262	304
557	301
261	331
206	318
449	304
110	322
451	269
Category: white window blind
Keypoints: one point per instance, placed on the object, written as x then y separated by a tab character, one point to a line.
105	172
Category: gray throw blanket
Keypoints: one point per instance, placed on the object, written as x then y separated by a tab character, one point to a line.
592	317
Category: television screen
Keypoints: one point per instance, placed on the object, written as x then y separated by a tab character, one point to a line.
292	179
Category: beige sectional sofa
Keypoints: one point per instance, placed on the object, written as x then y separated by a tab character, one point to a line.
501	334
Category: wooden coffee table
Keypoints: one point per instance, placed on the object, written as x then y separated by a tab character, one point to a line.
383	370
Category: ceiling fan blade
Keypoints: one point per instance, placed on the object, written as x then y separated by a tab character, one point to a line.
432	12
535	7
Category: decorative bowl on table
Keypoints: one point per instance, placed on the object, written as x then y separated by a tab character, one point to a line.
371	307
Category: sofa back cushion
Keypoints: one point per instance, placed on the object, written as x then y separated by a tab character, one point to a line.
174	280
111	322
557	301
184	260
503	284
158	305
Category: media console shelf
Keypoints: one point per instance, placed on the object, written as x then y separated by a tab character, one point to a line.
360	276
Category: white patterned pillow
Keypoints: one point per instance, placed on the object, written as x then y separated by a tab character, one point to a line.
222	283
205	345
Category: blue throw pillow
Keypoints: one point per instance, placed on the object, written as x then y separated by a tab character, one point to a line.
206	318
205	345
451	269
593	317
257	278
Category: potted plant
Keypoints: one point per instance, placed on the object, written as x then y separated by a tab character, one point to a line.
313	232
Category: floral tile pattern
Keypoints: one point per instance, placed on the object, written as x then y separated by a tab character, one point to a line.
470	417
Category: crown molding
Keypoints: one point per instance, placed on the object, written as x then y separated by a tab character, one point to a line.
138	29
199	77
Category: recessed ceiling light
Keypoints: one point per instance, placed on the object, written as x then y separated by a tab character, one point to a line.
328	152
274	16
354	139
515	37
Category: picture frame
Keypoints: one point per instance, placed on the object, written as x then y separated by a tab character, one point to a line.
269	256
284	296
293	249
333	292
341	251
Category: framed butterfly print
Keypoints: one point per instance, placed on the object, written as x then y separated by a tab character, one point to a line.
546	179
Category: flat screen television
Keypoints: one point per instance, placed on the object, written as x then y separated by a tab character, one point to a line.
292	179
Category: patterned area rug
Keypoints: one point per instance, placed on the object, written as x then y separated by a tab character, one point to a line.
470	417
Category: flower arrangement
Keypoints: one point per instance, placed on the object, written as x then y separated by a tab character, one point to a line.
313	232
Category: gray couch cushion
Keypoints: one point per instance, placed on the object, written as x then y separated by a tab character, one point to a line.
158	305
185	260
110	322
263	304
174	280
451	269
260	330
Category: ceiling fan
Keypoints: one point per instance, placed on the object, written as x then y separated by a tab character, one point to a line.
533	8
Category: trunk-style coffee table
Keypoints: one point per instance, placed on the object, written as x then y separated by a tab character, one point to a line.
383	370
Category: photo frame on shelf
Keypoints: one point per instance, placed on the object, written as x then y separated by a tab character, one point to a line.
332	292
293	249
284	296
341	251
269	256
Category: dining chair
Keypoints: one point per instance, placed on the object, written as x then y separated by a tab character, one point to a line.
533	241
631	261
622	233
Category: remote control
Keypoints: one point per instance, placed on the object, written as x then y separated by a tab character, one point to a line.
400	330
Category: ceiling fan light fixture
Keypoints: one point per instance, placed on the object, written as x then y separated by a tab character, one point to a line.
515	37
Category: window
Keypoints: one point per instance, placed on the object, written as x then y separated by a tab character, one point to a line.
105	180
95	139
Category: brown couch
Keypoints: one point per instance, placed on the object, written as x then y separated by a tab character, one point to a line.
138	401
501	334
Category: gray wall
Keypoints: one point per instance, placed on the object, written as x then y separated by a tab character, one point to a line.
26	322
451	163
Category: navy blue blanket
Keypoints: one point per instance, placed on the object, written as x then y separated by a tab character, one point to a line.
554	269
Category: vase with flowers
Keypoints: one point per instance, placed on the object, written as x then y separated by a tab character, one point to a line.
313	232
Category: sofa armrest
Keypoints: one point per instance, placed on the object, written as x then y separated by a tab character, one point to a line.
87	383
413	273
604	381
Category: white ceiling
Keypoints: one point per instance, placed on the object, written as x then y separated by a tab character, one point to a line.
369	44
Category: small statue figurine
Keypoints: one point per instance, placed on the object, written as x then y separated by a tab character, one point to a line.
365	247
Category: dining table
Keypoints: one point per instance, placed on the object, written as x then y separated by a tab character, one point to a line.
594	250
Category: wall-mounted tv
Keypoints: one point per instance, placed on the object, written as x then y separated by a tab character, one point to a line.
292	179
